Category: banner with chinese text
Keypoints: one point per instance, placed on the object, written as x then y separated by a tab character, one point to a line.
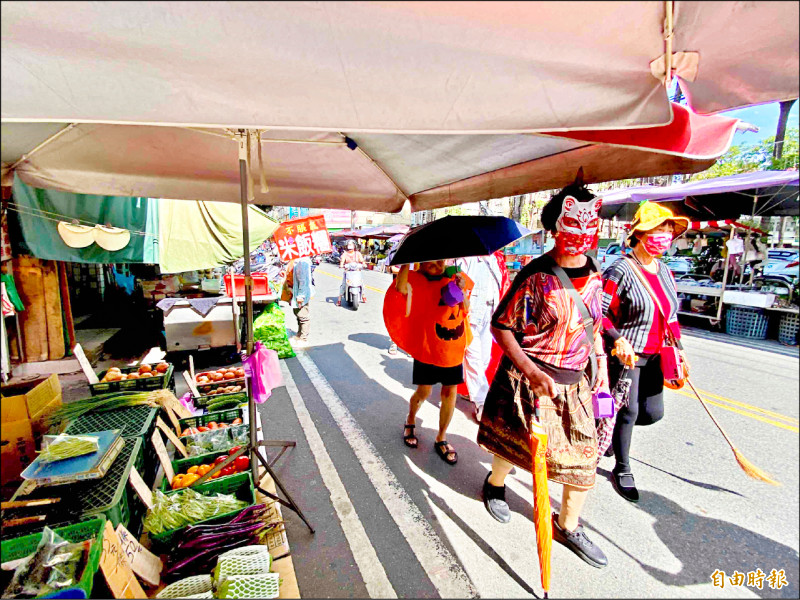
302	237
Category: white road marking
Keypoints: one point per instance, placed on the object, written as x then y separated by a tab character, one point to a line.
372	571
442	569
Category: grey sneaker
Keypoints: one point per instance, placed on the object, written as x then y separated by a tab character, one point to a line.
494	499
579	543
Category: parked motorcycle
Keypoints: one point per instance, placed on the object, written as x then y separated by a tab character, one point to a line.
353	288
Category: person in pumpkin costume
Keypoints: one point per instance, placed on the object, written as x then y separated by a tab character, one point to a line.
549	364
426	315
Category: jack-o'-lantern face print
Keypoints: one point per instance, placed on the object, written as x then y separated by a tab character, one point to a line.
450	326
427	328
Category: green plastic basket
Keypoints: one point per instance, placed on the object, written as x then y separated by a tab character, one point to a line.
220	416
239	485
145	384
181	465
134	421
21	547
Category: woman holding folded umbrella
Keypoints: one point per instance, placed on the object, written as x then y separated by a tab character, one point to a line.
636	329
549	346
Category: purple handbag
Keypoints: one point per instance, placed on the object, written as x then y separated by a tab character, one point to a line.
603	405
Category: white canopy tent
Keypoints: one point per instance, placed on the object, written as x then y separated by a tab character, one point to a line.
447	102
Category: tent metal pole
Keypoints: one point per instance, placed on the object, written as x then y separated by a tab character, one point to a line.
724	277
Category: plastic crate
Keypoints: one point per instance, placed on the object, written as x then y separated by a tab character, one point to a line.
205	400
787	328
145	384
744	321
181	465
134	421
220	416
21	547
239	485
260	285
204	388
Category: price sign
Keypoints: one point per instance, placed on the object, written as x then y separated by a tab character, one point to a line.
143	562
117	568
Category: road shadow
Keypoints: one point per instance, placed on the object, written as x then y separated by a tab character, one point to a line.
375	340
700	484
705	544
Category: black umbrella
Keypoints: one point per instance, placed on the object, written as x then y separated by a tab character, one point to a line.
456	237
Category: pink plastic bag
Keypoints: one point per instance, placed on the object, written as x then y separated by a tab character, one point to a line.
264	371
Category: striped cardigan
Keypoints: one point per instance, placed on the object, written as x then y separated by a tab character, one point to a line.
629	310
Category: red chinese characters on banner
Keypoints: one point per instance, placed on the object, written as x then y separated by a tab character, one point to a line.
302	237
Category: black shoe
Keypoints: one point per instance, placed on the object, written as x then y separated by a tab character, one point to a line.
609	451
579	544
624	485
494	499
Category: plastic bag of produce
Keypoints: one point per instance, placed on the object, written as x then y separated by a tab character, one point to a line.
63	446
56	564
264	371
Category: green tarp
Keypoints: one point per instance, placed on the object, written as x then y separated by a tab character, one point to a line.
195	234
178	235
41	210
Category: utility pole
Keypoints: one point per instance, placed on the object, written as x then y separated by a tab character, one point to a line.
780	134
352	220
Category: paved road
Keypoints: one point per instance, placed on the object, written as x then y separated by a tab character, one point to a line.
392	521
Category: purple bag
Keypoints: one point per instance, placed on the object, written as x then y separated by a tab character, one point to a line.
603	405
264	371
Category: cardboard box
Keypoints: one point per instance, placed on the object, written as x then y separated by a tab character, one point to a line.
23	409
17	449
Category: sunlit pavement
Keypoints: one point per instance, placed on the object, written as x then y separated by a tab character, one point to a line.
392	521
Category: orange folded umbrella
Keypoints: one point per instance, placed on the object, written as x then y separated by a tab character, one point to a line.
542	518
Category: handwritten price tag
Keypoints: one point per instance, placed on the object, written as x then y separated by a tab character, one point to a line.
143	562
117	568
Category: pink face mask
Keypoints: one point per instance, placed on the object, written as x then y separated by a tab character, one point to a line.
657	243
577	226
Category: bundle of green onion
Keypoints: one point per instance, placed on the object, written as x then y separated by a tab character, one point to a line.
102	403
68	446
187	507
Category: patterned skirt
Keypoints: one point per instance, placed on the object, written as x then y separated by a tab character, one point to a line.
568	420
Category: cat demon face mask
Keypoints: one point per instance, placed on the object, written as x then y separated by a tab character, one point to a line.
578	223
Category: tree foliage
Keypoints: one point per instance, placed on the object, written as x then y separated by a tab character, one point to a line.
746	158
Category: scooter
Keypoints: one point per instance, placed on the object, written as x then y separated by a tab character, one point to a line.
352	284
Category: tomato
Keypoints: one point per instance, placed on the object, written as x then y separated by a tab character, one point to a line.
236	421
220	459
201	429
193	470
229	470
162	367
212	425
145	369
221	426
241	463
233	450
204	469
240	372
177	481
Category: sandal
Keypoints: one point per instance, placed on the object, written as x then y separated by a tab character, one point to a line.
441	450
407	438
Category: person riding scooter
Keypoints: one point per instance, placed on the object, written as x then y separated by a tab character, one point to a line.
350	255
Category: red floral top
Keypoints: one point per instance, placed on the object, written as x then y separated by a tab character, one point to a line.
547	324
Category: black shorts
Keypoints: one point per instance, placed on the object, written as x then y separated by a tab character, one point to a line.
425	374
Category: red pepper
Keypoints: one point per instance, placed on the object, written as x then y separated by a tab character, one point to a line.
241	463
229	470
232	450
220	459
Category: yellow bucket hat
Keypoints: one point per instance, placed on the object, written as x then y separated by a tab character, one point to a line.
651	214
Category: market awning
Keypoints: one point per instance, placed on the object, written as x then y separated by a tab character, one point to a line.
178	235
700	225
498	98
762	193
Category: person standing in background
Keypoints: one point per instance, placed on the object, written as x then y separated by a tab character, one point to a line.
302	292
489	281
